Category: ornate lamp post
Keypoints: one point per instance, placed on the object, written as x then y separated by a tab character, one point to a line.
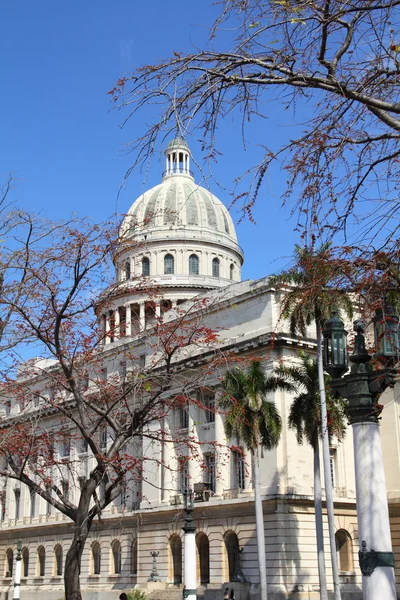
362	388
189	552
17	577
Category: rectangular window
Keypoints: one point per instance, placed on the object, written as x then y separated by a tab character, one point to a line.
82	446
123	371
184	474
17	494
240	470
332	456
65	449
103	374
209	475
209	406
65	489
33	504
103	437
183	421
48	507
3	500
142	360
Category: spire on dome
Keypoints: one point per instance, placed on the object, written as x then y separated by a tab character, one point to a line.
177	158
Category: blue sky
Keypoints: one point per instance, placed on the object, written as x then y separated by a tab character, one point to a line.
62	140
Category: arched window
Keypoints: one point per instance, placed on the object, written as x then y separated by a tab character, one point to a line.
203	556
232	554
58	561
169	264
116	557
175	545
25	562
9	562
344	549
96	558
231	271
128	269
145	267
215	267
41	562
134	557
193	264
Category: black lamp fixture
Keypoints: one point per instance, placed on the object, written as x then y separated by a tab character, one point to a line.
335	346
386	330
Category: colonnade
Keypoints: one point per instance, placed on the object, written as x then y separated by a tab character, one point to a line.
130	319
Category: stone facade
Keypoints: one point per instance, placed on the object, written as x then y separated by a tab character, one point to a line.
150	515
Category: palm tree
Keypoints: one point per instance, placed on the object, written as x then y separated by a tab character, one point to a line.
313	296
257	424
305	419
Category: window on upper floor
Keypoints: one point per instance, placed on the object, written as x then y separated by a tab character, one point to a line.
145	267
17	497
231	271
183	417
206	400
33	503
239	467
103	437
183	474
193	264
128	269
215	267
169	264
332	459
209	475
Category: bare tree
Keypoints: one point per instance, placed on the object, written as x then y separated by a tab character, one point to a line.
335	63
66	398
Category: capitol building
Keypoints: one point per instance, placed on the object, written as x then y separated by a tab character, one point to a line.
178	250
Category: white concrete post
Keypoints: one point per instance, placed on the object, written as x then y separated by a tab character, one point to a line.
17	576
128	320
372	508
117	324
222	462
189	551
142	323
107	317
158	309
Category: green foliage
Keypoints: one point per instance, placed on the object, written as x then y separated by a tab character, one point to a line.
305	411
136	594
249	416
315	292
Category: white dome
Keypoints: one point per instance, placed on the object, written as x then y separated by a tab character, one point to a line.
178	203
177	241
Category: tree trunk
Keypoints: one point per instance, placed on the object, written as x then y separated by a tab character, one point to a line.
319	526
262	565
327	465
72	567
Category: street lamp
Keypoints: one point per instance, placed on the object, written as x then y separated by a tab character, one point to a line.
362	388
189	552
17	577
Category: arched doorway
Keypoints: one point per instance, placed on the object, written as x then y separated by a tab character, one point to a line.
232	554
203	558
175	545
